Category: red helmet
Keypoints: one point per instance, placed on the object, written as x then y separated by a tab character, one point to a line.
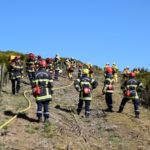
132	75
17	57
49	60
42	64
80	65
109	70
31	55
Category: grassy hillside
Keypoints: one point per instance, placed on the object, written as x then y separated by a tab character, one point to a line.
4	55
145	78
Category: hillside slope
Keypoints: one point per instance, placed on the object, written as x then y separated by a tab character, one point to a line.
67	130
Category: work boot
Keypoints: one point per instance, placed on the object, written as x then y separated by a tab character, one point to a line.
78	111
108	110
137	116
120	110
87	114
46	120
39	119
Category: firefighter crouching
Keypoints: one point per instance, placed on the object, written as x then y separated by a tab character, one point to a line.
42	90
130	89
84	86
16	73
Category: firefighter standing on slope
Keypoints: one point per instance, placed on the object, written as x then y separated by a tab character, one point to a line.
57	63
107	65
50	65
80	67
108	90
84	86
31	66
126	73
69	68
130	89
115	71
91	70
16	73
42	90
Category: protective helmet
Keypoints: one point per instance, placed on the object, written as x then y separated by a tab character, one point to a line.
85	71
127	67
114	63
31	55
42	64
49	60
80	65
109	70
107	63
17	57
39	57
132	74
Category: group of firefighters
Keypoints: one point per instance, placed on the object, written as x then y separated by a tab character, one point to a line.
40	73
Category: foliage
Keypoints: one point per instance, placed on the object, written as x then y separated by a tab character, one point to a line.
4	56
145	78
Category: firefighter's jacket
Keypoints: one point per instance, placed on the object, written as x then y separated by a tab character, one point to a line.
57	64
44	81
108	86
85	85
50	67
69	65
115	69
131	88
30	65
16	69
126	73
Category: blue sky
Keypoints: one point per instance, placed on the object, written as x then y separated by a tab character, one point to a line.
94	31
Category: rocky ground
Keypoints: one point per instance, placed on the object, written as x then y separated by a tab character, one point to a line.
67	130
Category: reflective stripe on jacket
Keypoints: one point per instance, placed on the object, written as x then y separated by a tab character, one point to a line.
108	85
85	82
44	81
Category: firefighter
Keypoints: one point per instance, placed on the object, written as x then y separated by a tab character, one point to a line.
106	65
126	73
91	70
115	71
50	66
31	66
108	71
80	70
73	62
16	73
69	68
108	90
42	90
57	63
84	86
37	60
130	89
136	71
